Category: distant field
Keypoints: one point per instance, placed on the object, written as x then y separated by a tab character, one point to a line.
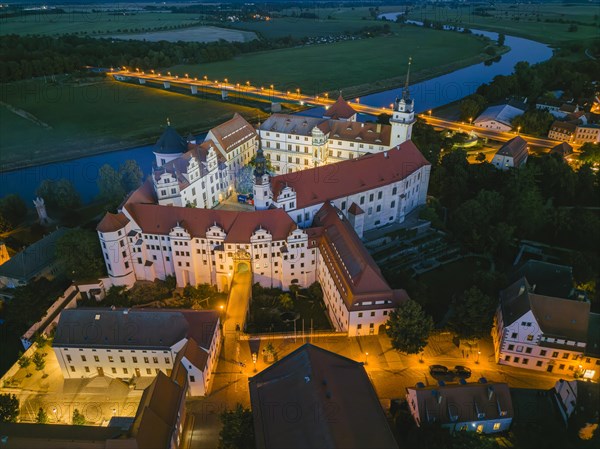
526	20
93	23
331	21
319	68
193	34
69	120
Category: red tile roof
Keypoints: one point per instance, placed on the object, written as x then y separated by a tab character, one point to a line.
359	132
358	274
112	222
320	184
239	226
233	133
340	110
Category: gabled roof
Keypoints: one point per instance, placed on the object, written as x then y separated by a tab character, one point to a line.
462	403
27	263
232	133
112	222
345	254
335	404
503	113
170	142
547	279
134	328
358	132
196	355
562	148
157	414
291	124
320	184
238	225
563	127
341	109
556	317
515	148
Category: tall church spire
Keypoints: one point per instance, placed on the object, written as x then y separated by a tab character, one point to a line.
260	162
405	91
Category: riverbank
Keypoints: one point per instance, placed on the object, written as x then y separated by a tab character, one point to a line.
85	118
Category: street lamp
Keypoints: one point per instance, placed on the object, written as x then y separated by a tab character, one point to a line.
298	92
478	354
518	130
366	358
205	78
254	358
429	113
470	120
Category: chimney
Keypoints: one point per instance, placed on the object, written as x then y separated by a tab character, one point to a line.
378	127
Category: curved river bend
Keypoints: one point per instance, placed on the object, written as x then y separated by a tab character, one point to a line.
427	94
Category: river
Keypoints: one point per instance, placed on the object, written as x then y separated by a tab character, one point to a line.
427	94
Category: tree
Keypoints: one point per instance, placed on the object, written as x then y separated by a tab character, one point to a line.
286	301
472	440
471	107
501	39
39	361
9	408
471	314
590	152
80	254
109	185
131	175
238	429
60	194
409	327
535	121
78	418
24	361
41	417
13	209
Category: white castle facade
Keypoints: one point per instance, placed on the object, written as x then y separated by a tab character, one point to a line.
307	225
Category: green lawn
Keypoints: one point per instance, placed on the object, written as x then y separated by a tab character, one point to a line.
92	23
370	62
93	117
526	20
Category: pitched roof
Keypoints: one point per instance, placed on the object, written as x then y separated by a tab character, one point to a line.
503	113
238	225
320	384
128	328
547	279
461	403
357	274
232	133
291	124
320	184
29	262
341	109
112	222
158	412
196	355
170	142
556	317
562	148
359	132
515	148
355	209
563	127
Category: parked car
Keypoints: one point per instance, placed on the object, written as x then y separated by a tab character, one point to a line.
462	371
440	372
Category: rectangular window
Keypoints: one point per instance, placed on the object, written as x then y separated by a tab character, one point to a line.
122	359
155	359
146	360
83	359
538	363
96	358
134	359
496	426
72	368
543	352
555	354
192	379
110	358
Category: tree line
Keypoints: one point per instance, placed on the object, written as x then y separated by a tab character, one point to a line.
23	57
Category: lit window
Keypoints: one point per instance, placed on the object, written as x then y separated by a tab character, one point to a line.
496	426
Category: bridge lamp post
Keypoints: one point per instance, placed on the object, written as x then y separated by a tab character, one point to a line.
152	71
470	120
272	91
205	78
168	73
298	92
430	113
518	130
226	81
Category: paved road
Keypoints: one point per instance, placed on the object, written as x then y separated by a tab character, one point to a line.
495	135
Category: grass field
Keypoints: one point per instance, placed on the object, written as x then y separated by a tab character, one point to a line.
331	21
526	20
93	23
192	34
319	68
42	122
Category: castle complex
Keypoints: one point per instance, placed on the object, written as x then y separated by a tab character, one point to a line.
334	179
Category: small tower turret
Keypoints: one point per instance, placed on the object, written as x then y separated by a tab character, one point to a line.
169	146
261	187
403	117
